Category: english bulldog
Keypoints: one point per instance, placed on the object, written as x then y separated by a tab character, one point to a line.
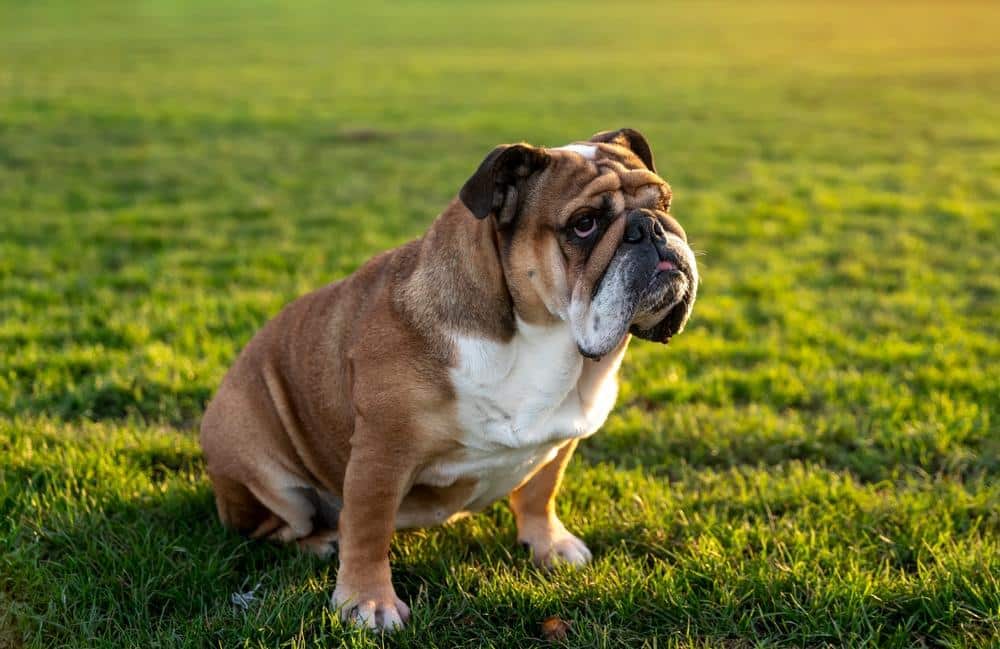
454	370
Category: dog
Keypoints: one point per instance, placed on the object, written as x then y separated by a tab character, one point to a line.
455	370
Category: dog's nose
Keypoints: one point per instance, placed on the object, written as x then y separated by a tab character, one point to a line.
634	231
643	224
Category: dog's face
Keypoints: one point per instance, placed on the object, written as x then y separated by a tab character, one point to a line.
585	236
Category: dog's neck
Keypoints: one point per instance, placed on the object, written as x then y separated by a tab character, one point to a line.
484	308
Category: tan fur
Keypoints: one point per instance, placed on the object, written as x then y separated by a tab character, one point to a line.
325	419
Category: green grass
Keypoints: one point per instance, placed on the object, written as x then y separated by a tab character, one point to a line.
816	461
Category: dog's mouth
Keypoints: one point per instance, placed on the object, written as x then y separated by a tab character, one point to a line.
668	284
669	268
644	292
666	305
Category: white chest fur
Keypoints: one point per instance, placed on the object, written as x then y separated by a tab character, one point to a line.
517	403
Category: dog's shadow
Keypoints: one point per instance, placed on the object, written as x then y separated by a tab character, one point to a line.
149	557
152	561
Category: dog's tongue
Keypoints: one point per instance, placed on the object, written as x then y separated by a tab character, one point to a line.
666	265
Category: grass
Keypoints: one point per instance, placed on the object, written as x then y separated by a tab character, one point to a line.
815	462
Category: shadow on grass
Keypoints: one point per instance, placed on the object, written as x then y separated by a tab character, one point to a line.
148	566
157	565
100	398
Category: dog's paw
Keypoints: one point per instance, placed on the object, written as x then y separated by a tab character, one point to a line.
551	544
378	609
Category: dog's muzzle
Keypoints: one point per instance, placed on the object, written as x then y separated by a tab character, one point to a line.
665	274
648	288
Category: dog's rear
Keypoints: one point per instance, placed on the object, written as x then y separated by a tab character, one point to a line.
276	455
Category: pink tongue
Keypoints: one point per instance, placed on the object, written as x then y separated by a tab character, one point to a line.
666	265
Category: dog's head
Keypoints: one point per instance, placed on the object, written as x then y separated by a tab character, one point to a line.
585	236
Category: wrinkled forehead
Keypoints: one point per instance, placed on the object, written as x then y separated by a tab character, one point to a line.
592	172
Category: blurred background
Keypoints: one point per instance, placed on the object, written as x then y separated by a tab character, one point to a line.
814	460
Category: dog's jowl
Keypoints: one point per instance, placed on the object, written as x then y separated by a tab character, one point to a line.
456	370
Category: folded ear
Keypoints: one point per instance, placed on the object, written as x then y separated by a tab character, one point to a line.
499	186
630	139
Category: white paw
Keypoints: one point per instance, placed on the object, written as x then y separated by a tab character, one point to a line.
551	544
570	549
379	610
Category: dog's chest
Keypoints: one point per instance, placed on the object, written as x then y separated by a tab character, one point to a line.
517	402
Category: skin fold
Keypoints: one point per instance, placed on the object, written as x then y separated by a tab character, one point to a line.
455	370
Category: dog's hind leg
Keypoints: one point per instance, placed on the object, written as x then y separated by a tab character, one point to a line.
299	515
322	544
288	499
239	509
322	541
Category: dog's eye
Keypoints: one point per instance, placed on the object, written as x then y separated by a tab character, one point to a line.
585	226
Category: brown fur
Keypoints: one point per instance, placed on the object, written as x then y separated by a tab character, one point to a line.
322	423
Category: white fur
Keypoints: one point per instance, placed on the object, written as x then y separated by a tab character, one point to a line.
600	323
517	403
586	150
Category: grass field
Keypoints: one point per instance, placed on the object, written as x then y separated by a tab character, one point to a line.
815	461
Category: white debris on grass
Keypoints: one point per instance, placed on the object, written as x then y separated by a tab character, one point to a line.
243	600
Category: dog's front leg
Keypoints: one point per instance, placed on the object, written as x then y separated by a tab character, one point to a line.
374	482
538	527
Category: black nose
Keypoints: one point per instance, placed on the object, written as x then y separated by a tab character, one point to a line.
634	232
642	225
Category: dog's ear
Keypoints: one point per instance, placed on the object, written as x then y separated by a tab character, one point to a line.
499	186
672	323
630	139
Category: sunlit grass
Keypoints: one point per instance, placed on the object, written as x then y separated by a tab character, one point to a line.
815	461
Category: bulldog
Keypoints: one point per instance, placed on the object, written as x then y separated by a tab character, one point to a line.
454	370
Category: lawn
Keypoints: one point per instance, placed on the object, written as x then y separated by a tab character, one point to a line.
814	462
